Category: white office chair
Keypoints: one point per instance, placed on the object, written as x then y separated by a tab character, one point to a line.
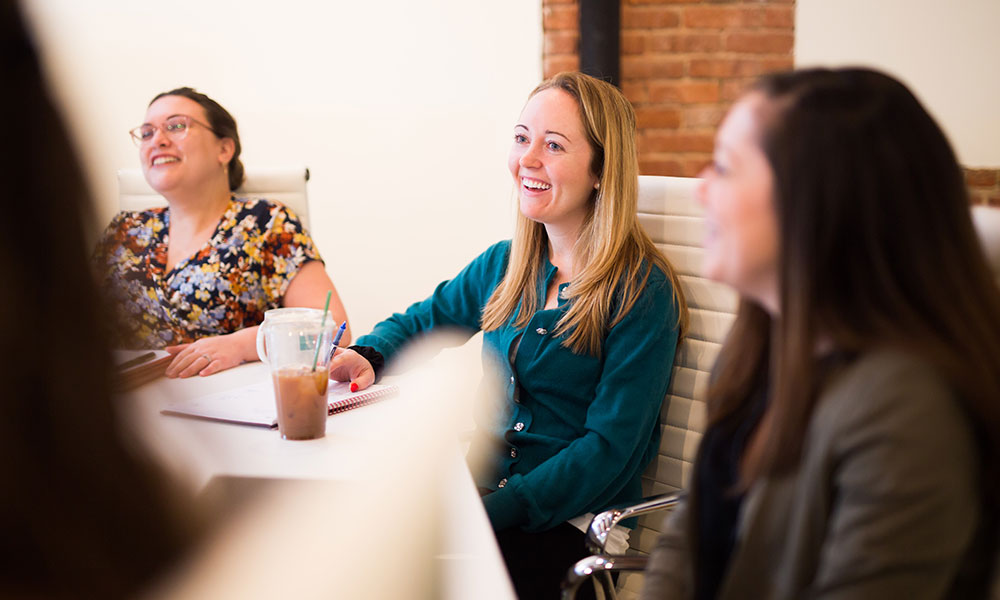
987	222
672	217
286	185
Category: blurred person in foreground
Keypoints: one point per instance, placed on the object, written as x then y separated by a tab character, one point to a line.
196	277
581	316
82	514
853	439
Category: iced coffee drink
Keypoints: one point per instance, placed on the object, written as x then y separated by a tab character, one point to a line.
300	394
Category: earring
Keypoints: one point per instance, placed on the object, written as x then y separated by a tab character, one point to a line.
597	185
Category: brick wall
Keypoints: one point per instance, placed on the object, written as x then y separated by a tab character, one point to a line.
560	21
685	61
984	186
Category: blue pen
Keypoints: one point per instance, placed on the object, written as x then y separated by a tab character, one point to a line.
336	338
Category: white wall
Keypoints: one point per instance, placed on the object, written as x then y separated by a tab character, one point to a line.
948	53
402	110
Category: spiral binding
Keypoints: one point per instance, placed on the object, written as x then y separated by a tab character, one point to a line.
362	399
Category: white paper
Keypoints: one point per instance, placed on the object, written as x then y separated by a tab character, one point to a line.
253	404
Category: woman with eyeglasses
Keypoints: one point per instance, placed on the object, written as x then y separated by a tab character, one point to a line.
196	277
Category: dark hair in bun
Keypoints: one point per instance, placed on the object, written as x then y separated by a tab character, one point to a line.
223	125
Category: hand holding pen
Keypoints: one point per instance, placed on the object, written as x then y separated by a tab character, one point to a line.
355	369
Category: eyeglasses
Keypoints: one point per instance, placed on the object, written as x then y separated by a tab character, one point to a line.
175	127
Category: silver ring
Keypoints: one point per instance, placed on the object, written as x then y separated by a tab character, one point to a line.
207	357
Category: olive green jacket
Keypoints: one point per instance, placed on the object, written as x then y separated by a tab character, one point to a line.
885	503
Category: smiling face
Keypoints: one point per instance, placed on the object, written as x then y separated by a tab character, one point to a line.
192	163
741	247
550	161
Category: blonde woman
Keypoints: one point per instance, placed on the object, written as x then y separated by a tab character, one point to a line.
581	316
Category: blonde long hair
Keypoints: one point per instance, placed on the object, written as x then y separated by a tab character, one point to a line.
616	254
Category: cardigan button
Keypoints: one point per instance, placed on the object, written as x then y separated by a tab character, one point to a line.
512	380
502	482
541	331
513	452
518	426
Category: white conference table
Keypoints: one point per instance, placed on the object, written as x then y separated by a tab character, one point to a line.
362	448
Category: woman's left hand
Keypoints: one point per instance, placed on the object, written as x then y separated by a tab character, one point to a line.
212	354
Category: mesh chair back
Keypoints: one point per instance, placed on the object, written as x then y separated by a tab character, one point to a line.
286	185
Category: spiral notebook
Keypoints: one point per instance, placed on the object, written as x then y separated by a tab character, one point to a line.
254	404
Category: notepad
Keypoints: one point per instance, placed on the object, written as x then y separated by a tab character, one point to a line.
254	404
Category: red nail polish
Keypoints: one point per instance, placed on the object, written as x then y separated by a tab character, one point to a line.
354	387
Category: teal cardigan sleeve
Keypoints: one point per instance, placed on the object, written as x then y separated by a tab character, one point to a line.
620	433
455	304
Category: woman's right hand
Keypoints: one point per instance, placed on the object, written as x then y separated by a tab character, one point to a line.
348	365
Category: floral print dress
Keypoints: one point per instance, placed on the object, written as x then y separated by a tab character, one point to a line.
245	268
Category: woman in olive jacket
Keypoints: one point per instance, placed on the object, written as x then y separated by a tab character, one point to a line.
853	439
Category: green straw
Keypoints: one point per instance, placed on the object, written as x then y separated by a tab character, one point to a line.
321	325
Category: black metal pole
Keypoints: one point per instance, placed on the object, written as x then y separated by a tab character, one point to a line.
600	39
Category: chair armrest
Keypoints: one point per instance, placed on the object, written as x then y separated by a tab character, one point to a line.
602	523
592	565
